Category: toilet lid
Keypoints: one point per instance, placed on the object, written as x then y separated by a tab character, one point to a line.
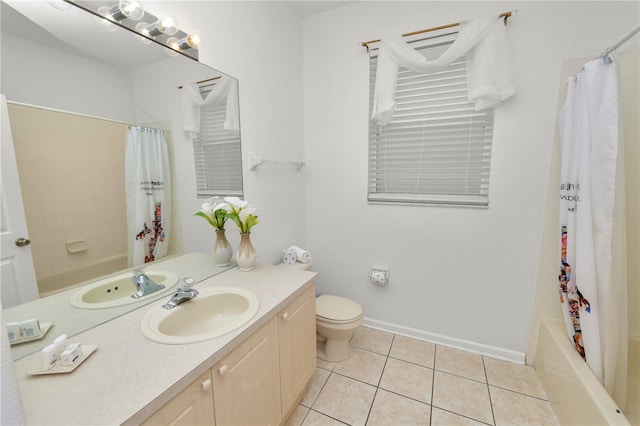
337	308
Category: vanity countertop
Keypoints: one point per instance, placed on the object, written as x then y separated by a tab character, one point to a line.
70	320
129	377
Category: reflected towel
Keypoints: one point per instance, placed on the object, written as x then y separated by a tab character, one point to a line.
302	255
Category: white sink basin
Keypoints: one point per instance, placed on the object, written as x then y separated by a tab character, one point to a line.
214	312
117	290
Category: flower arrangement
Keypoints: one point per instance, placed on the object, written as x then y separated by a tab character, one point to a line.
241	214
217	211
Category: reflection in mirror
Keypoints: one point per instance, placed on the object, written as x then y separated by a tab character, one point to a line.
73	91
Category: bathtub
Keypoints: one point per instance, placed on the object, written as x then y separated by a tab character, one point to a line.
576	395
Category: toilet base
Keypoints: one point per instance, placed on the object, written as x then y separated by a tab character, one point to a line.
333	350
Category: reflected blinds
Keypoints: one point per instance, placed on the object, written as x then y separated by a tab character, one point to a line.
437	149
218	158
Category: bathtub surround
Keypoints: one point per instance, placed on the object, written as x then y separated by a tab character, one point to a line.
71	171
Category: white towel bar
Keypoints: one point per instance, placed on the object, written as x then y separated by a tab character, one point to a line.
255	161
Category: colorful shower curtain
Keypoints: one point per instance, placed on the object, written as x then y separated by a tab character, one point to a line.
148	186
588	126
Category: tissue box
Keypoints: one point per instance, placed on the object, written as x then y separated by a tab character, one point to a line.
72	354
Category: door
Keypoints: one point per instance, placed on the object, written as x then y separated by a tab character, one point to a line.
17	276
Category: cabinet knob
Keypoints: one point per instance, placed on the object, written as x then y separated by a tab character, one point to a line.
222	370
285	316
206	385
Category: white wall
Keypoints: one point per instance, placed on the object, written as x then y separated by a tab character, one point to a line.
461	276
41	75
259	43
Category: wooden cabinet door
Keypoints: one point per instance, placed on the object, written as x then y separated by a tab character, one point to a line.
193	406
297	338
246	383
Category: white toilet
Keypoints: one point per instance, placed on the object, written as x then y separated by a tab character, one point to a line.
337	318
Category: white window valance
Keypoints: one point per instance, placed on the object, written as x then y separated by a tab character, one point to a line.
226	89
490	76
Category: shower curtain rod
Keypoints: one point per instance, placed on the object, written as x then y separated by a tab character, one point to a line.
505	15
79	114
620	42
204	81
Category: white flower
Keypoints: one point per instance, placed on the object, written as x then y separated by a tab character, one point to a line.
236	204
215	212
244	213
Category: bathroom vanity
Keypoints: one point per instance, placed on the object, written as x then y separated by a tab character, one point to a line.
254	375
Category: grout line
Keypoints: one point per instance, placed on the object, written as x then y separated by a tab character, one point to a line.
460	415
433	384
493	414
519	393
326	415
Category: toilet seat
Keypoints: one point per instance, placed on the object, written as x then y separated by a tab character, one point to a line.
337	310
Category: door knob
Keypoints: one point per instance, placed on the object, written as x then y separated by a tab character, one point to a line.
21	242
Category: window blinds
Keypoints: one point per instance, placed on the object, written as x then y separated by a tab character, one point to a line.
437	149
218	158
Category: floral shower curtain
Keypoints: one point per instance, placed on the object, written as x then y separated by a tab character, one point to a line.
148	187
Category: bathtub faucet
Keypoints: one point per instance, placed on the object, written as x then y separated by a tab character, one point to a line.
144	284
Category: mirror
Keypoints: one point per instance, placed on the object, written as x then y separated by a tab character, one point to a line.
63	66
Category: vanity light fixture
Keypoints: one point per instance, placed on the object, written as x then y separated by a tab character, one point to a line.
129	14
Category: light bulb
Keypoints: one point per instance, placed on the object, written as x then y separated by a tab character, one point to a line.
125	9
162	26
189	42
141	27
174	48
103	20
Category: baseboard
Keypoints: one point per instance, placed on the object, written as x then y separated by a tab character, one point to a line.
439	339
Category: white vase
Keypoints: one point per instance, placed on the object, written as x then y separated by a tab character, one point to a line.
222	251
246	254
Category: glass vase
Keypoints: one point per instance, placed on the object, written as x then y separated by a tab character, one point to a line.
222	251
246	254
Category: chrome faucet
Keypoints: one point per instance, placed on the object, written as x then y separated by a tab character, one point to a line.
183	294
144	284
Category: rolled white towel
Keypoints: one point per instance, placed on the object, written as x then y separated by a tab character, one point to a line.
302	255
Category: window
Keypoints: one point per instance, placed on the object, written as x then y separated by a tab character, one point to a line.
218	158
437	149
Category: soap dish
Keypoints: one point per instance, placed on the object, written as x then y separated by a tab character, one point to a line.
58	368
44	327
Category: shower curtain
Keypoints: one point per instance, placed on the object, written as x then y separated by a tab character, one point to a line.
590	298
148	187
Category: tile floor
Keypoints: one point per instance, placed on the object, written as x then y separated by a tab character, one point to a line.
395	380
